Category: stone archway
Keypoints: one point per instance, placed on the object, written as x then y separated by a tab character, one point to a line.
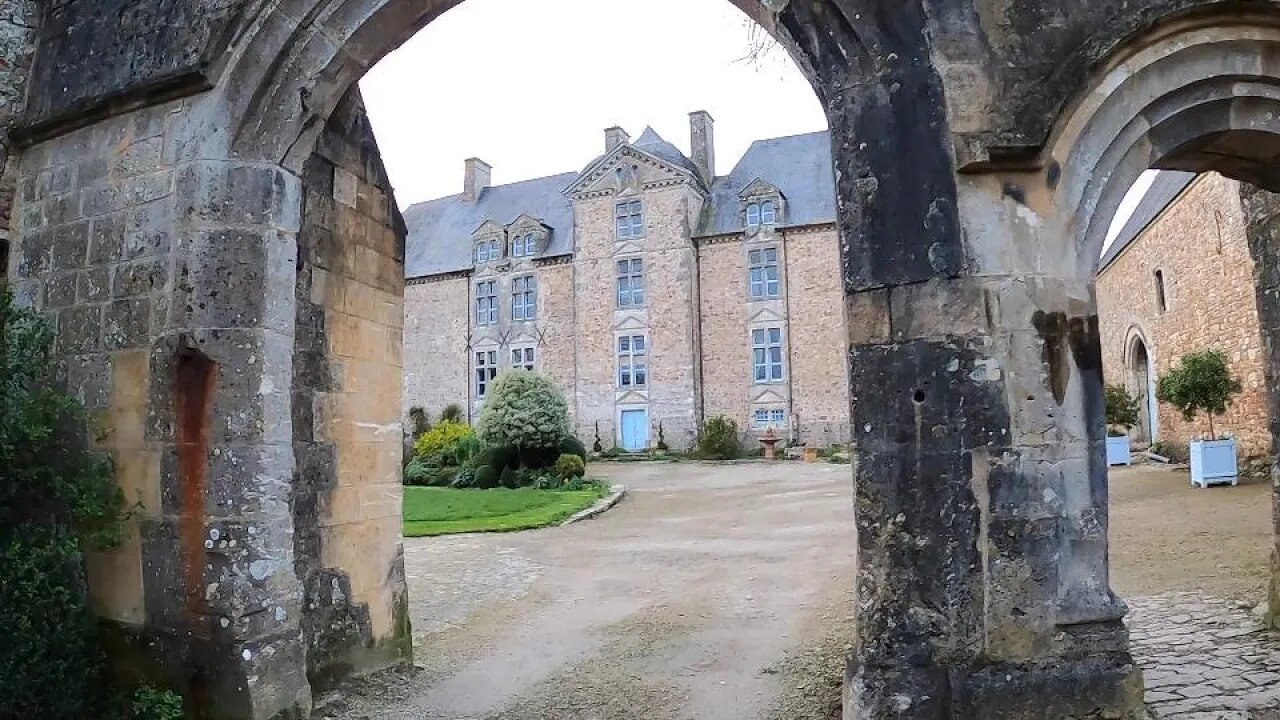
1140	380
173	150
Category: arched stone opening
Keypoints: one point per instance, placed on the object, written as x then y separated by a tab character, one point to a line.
1140	381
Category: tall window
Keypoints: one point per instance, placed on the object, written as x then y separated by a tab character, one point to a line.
487	302
487	250
763	265
523	245
486	370
765	213
524	298
630	219
766	349
522	359
1161	303
633	367
630	283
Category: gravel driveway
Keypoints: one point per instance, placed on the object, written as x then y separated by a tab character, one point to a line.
711	591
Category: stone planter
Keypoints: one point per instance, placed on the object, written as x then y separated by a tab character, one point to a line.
1118	450
1213	462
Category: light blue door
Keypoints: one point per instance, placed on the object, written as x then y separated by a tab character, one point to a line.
635	429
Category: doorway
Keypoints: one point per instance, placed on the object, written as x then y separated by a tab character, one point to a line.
635	430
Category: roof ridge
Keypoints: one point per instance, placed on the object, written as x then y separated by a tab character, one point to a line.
456	196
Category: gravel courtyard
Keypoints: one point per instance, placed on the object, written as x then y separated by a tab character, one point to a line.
711	592
725	591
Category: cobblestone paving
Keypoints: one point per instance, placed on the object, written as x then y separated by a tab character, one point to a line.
1205	658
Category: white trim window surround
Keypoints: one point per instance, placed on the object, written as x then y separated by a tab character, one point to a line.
487	302
763	274
631	283
766	355
769	417
524	298
524	245
629	219
633	363
762	213
522	358
486	370
487	251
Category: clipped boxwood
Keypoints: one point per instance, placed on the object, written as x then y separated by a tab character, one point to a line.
487	477
571	445
570	466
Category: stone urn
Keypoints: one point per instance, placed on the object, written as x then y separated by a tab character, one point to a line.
770	441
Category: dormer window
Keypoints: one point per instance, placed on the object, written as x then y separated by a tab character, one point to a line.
487	251
762	213
524	245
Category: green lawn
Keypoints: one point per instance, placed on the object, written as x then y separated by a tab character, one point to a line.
441	511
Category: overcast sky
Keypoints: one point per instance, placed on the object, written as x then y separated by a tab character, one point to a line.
530	86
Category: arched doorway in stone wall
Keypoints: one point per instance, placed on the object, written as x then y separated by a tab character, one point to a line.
972	206
1141	383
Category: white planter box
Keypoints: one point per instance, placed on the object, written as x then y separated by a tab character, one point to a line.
1118	450
1213	462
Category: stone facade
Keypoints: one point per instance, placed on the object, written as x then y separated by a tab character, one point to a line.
696	319
979	151
1199	247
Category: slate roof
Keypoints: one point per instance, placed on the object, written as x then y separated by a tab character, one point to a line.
798	165
439	239
1166	188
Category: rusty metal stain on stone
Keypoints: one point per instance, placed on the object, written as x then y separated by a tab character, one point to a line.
193	385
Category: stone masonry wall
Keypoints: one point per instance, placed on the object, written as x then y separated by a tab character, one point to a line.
346	407
557	347
1200	246
436	321
18	21
726	347
818	337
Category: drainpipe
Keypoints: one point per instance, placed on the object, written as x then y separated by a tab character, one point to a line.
793	427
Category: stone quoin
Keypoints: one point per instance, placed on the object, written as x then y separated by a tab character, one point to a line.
200	208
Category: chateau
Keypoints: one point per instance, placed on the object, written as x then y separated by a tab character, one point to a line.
653	291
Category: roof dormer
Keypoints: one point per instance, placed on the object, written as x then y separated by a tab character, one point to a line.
488	243
762	205
529	237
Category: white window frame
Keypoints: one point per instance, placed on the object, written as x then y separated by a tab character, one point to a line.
761	284
628	219
767	358
523	245
487	251
524	298
524	358
632	353
630	275
486	369
753	215
768	213
487	302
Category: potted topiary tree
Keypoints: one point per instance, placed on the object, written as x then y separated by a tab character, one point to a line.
1203	383
1122	414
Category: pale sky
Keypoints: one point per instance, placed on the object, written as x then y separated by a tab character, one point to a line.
530	86
1128	205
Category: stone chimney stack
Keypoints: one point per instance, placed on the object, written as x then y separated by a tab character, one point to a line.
702	143
477	178
615	136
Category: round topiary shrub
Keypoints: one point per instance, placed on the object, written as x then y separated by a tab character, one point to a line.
570	466
571	445
525	411
510	478
486	477
499	458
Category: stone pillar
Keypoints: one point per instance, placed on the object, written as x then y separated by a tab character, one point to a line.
170	282
1262	230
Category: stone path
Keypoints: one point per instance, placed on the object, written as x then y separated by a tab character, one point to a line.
1205	658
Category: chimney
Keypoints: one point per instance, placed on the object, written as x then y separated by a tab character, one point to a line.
615	136
702	143
477	178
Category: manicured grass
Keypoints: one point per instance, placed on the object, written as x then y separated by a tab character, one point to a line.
441	511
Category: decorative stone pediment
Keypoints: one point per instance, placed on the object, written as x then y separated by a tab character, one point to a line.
759	189
627	169
487	230
631	322
766	315
631	397
768	397
528	223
